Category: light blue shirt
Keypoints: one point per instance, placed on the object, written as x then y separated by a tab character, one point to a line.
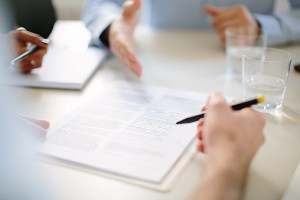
281	28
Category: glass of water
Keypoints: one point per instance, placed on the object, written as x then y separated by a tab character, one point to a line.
237	39
266	71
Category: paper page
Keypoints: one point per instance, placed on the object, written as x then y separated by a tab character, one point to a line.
129	130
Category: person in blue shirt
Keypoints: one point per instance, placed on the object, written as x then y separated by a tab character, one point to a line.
112	24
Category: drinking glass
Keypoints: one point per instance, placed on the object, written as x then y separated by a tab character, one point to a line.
238	39
266	71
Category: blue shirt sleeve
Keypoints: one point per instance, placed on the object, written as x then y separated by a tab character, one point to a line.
98	15
282	28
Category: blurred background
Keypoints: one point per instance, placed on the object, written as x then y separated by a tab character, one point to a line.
70	9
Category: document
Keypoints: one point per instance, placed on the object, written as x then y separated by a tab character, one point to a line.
130	131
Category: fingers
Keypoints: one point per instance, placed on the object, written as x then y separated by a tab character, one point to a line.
31	62
216	101
201	147
235	16
203	108
211	10
130	8
124	51
38	122
121	36
26	37
200	128
36	126
23	39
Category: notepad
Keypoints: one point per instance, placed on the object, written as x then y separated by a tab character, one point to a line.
69	63
128	132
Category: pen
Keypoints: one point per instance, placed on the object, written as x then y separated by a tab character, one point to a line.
32	49
239	106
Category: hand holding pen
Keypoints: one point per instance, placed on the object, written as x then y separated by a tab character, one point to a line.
30	49
239	106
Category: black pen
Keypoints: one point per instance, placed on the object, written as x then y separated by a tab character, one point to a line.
239	106
31	49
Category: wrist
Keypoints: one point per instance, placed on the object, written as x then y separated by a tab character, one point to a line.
228	183
258	26
231	168
104	36
230	163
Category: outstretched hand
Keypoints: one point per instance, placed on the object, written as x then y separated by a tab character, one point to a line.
121	38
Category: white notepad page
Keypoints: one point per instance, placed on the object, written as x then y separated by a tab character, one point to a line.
128	130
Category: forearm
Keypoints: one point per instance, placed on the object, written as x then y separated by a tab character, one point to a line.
222	183
281	28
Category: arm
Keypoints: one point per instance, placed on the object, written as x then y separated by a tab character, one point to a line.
282	28
115	30
98	15
230	139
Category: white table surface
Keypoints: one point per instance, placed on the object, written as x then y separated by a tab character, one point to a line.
188	60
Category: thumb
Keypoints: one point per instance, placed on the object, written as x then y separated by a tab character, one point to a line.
130	8
211	10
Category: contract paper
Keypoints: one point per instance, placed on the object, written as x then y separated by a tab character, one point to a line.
129	130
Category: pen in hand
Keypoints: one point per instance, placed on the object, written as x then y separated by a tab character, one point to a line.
31	50
239	106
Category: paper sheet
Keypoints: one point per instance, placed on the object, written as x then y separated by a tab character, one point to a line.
128	130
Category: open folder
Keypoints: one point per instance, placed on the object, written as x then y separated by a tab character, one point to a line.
69	63
129	132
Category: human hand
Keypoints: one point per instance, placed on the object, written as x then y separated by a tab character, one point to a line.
229	138
120	34
22	39
36	126
235	16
